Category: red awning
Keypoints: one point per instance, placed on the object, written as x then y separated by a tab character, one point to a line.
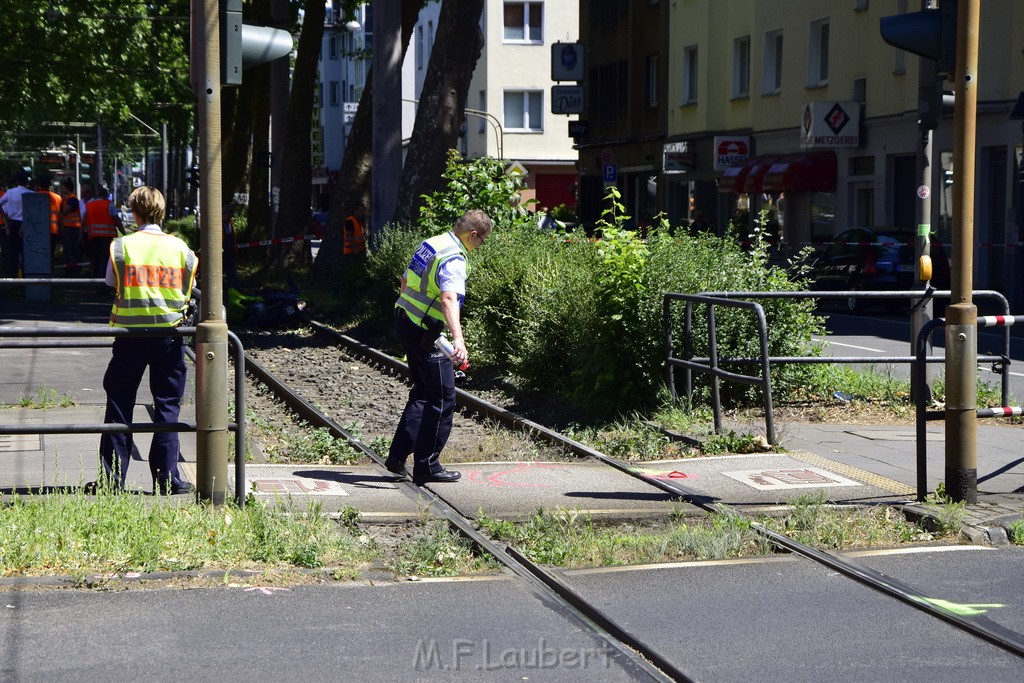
733	177
752	183
810	172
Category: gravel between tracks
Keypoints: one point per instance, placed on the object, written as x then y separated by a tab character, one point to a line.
363	399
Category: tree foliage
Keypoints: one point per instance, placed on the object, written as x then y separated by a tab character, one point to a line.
93	61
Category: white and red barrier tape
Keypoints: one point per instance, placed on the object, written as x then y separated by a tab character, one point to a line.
280	240
999	320
1005	411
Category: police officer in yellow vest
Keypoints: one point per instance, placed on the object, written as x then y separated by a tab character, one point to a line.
153	273
433	287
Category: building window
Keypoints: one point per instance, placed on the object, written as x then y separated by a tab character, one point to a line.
899	57
817	53
335	94
430	39
652	81
741	67
772	78
523	22
524	111
689	75
419	48
332	46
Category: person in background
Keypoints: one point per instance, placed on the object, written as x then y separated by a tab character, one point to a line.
699	224
43	186
354	232
101	225
70	221
433	288
153	274
10	205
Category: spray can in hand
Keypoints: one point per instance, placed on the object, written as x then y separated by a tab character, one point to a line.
444	346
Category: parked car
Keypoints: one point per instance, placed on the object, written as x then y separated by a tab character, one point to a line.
859	259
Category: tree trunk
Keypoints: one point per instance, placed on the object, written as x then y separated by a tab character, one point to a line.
353	186
442	105
297	182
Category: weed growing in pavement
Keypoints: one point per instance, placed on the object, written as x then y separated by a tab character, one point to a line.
46	397
1016	534
78	535
731	442
319	446
812	520
630	440
436	549
571	539
948	516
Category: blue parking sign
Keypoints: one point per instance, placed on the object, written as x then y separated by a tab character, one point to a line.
611	173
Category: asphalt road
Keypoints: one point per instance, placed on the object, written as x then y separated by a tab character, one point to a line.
784	619
878	337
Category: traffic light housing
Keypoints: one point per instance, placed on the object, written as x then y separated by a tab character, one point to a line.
192	176
930	33
243	46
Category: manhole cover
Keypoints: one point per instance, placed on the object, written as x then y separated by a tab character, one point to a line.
15	443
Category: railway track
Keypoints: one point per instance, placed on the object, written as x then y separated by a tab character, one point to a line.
336	348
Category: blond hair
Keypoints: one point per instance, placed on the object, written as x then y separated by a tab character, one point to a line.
147	203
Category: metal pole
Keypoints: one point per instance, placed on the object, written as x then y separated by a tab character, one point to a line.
212	330
163	160
929	113
962	314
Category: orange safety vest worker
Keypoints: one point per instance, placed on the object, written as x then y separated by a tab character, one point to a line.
70	217
98	221
353	242
54	209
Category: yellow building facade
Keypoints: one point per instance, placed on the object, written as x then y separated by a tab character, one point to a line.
801	108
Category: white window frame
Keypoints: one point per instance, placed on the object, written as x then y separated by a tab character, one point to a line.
527	98
652	81
818	40
741	67
532	35
332	46
691	75
774	45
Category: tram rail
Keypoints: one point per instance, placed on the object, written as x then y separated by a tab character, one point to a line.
977	625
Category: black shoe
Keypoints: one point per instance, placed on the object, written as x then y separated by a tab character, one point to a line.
396	469
177	487
438	477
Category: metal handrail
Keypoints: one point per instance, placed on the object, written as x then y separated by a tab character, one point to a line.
711	365
238	426
998	297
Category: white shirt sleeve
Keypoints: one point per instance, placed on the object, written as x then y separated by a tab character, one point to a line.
451	276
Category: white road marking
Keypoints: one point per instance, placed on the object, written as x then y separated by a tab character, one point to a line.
850	346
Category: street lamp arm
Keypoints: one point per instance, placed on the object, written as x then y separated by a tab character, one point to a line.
491	118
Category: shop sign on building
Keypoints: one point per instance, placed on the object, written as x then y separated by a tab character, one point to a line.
677	157
830	125
731	149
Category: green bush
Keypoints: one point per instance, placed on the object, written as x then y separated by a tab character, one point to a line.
582	318
185	228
